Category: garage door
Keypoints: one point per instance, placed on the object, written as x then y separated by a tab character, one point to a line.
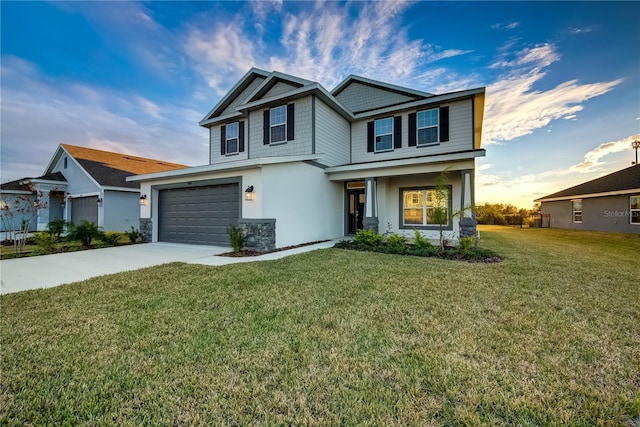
84	209
198	215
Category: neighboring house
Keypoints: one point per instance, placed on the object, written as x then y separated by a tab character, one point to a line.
608	203
83	184
291	162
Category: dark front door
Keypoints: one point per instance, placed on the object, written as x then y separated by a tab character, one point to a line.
356	209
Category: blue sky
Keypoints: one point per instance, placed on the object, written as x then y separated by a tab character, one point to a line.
562	78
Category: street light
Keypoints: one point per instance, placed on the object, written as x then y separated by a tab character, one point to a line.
635	145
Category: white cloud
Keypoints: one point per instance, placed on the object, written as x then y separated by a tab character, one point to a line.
514	109
505	26
593	159
584	30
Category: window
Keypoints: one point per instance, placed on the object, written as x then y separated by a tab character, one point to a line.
232	138
278	124
577	210
383	134
428	127
65	162
425	207
634	209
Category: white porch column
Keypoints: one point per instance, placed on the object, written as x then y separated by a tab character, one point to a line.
468	220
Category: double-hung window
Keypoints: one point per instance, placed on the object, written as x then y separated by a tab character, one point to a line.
577	210
383	134
278	124
232	138
634	209
428	127
425	207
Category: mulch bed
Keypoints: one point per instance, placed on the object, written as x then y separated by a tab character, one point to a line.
256	253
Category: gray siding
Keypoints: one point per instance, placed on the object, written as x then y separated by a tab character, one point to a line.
214	145
278	89
332	135
610	213
243	95
460	136
301	145
359	97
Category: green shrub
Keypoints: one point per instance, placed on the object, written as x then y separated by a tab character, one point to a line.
85	233
56	227
465	243
46	243
236	238
110	238
133	235
419	242
397	243
368	238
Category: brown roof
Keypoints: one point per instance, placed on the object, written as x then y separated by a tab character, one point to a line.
112	169
625	179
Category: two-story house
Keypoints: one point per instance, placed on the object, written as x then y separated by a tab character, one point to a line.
291	162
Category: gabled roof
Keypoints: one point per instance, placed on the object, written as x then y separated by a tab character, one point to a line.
22	185
621	182
274	78
110	169
379	85
15	186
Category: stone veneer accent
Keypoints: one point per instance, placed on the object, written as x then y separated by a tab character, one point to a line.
468	227
261	234
146	230
371	224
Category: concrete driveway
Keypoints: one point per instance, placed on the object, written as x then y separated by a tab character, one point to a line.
47	271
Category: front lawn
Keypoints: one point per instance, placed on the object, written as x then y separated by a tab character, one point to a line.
549	336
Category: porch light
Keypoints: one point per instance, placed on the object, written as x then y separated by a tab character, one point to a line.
249	194
143	200
99	201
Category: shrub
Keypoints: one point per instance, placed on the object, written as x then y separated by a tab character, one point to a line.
397	243
46	243
236	238
133	234
56	227
368	238
465	243
110	238
85	233
419	242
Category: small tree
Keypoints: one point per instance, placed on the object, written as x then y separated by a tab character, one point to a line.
17	216
237	238
440	213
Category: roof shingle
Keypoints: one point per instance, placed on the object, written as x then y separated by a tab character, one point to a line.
625	179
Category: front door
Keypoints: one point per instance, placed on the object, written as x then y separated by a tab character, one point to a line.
356	209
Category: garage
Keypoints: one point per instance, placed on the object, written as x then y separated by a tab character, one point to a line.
84	209
198	215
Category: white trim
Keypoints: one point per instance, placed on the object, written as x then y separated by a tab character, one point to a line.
589	195
25	192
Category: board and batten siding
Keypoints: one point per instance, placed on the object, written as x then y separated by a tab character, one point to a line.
359	97
214	145
78	180
231	108
300	145
460	136
332	135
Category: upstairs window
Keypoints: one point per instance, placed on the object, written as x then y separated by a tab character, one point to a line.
634	209
383	134
577	211
428	127
232	139
278	124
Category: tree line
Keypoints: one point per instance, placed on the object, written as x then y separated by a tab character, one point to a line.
504	214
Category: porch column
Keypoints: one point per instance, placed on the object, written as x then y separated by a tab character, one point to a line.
370	220
467	220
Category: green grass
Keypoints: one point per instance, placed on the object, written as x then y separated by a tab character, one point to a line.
549	336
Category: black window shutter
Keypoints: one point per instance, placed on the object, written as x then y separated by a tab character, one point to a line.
397	132
265	127
370	146
444	124
240	137
290	122
412	130
223	140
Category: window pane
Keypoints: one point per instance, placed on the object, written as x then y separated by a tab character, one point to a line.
577	205
428	136
635	202
278	133
427	118
577	217
384	143
437	216
413	216
278	115
635	217
384	126
413	199
232	130
232	146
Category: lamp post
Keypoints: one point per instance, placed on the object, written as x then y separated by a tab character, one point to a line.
635	145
